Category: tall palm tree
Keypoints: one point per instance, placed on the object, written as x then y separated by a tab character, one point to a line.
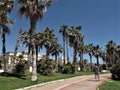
117	54
67	31
50	39
118	50
56	50
82	49
64	30
39	42
34	10
5	7
5	31
25	38
110	47
75	39
90	52
96	53
103	56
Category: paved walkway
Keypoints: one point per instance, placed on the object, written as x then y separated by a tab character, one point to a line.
87	84
77	83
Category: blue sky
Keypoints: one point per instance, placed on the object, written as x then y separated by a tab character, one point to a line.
100	20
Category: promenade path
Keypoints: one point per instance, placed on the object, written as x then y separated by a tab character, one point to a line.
77	83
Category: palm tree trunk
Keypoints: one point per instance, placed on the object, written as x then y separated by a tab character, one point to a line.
113	59
36	53
47	53
64	50
29	58
67	50
83	66
80	62
34	68
4	51
56	63
110	61
97	60
91	62
32	32
75	59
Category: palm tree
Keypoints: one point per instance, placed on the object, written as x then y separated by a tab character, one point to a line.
65	34
39	42
82	49
25	38
56	50
103	55
110	47
96	53
117	54
34	10
5	31
5	7
75	39
49	38
90	52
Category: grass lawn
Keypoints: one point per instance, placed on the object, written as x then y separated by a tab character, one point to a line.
110	85
11	83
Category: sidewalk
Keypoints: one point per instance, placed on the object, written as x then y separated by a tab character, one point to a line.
87	84
77	83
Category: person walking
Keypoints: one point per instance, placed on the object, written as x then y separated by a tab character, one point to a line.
96	72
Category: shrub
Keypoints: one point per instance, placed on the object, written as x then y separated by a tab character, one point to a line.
45	67
19	70
115	70
67	69
60	67
48	72
40	66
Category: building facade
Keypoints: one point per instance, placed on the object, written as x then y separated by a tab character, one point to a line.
19	56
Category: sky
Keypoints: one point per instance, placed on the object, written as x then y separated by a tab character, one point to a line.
100	21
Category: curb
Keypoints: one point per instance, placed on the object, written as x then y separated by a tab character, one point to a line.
38	85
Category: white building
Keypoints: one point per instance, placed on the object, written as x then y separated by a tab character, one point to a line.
24	56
